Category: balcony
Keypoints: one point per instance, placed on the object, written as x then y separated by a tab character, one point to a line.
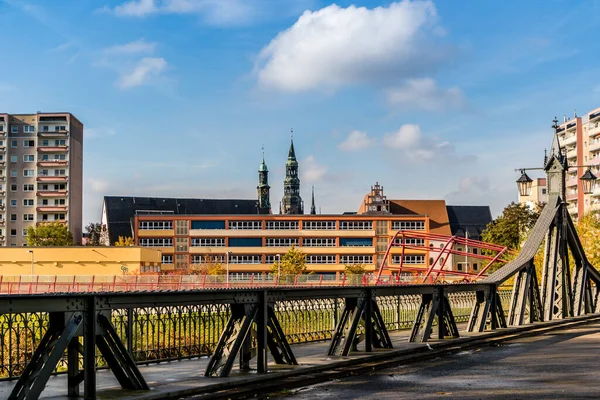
570	139
51	209
62	178
52	163
53	149
52	193
593	129
594	145
2	192
572	182
572	153
572	196
2	148
41	222
61	133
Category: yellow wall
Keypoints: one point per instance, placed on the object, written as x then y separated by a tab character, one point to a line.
76	260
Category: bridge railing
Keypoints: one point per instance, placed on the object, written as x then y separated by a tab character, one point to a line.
41	284
155	334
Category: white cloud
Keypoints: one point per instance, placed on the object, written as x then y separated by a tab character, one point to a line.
311	170
214	11
97	185
139	46
144	71
418	147
357	140
336	46
423	93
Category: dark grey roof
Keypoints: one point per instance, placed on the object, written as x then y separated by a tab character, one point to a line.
471	219
120	210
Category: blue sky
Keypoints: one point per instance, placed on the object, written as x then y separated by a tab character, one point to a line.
435	100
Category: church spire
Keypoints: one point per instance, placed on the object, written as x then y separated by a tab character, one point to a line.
313	210
263	188
292	202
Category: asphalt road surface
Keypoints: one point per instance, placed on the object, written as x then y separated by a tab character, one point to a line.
562	364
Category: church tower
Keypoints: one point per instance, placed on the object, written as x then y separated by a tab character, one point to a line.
313	209
292	202
264	202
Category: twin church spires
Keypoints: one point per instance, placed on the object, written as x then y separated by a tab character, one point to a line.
291	203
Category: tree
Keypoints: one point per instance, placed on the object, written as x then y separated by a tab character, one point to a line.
94	232
511	228
49	234
124	241
211	265
355	269
292	263
588	229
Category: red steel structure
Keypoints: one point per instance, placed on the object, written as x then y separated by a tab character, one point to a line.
449	246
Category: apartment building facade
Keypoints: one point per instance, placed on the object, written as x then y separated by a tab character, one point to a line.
579	137
253	243
41	174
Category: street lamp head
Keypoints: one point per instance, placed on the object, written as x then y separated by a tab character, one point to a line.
524	184
588	181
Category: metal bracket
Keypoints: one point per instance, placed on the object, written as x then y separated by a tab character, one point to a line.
434	306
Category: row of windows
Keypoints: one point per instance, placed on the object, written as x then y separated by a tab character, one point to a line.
283	242
45	143
13	232
28	173
408	225
318	242
412	259
31	128
156	242
31	157
150	225
208	242
30	202
308	225
410	241
271	259
318	225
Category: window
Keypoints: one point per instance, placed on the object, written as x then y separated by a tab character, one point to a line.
181	227
408	225
167	259
27	217
245	224
208	224
320	259
13	232
60	128
44	202
28	202
318	242
24	231
59	172
45	128
13	203
44	217
13	143
28	158
285	242
411	242
59	202
28	173
156	242
44	172
181	244
14	129
28	187
356	225
153	225
245	259
13	217
209	258
61	186
13	187
59	217
14	158
245	242
60	142
45	142
282	225
420	259
544	191
28	129
356	242
356	259
318	225
208	242
28	143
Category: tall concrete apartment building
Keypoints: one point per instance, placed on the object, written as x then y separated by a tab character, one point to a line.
579	138
41	174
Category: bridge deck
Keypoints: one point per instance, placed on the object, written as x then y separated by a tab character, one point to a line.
179	376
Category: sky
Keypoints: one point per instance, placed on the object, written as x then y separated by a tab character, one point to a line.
432	99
